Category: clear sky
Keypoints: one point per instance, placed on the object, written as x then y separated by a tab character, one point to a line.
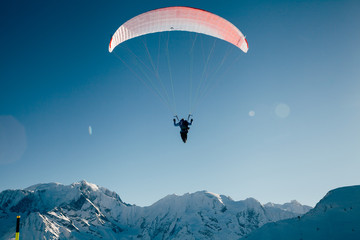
282	124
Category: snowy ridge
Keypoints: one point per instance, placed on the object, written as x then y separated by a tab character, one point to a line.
293	206
335	217
86	211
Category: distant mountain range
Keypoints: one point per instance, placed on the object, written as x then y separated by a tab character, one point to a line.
86	211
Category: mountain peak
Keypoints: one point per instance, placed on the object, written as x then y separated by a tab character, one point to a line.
295	202
83	184
342	197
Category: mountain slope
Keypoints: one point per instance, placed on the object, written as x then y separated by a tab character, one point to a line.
85	211
336	216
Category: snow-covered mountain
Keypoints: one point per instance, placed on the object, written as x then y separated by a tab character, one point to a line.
86	211
335	217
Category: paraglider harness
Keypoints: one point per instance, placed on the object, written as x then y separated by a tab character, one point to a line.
184	124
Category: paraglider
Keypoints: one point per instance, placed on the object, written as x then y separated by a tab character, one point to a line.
169	19
184	127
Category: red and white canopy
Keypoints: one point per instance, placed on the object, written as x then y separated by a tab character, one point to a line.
179	19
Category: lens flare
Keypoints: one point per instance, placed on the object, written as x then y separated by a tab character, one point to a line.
12	139
282	110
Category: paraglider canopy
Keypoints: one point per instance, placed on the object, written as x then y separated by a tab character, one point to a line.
179	19
203	72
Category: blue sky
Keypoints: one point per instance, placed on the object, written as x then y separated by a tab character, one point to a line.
57	78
